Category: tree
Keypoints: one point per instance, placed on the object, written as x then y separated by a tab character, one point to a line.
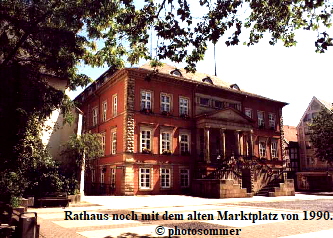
43	40
322	135
78	152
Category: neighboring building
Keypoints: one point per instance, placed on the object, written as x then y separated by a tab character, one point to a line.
315	174
55	132
166	131
292	162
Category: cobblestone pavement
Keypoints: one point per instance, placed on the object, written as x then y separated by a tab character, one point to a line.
184	216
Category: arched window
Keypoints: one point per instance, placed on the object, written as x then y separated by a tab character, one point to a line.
235	86
207	80
176	72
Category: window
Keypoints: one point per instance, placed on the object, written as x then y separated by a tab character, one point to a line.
93	176
95	116
102	175
309	161
176	72
114	105
271	120
261	120
293	154
165	178
262	149
235	86
113	142
165	102
145	140
103	143
105	107
183	106
184	143
204	101
274	149
236	106
145	100
218	104
207	80
165	142
113	177
314	115
248	112
184	178
145	178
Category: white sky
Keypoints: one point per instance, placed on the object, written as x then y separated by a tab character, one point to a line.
293	75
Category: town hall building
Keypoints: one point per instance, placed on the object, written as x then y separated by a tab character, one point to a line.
166	131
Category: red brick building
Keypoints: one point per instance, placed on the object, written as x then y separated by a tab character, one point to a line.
165	131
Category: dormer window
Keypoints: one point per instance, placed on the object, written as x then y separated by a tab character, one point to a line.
176	72
207	80
235	86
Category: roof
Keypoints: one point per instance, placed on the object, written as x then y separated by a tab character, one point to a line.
290	133
166	69
325	104
328	105
198	78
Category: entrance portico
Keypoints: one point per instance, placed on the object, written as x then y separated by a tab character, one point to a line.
224	134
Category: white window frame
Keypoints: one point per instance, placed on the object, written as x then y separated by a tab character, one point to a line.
165	105
165	178
184	176
183	144
94	116
113	177
184	105
261	119
104	108
102	176
248	112
165	141
144	102
145	178
274	149
113	141
271	120
143	140
262	149
114	105
103	142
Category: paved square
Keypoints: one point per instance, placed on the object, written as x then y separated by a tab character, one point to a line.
200	217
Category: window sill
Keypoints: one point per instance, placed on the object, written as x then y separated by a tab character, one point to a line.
145	189
165	113
146	111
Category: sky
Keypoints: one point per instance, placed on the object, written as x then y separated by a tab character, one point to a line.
292	75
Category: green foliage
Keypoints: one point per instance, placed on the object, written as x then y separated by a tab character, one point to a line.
43	41
322	135
15	202
32	170
77	150
87	146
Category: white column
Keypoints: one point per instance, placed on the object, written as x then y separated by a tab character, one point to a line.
251	143
237	142
207	152
222	134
